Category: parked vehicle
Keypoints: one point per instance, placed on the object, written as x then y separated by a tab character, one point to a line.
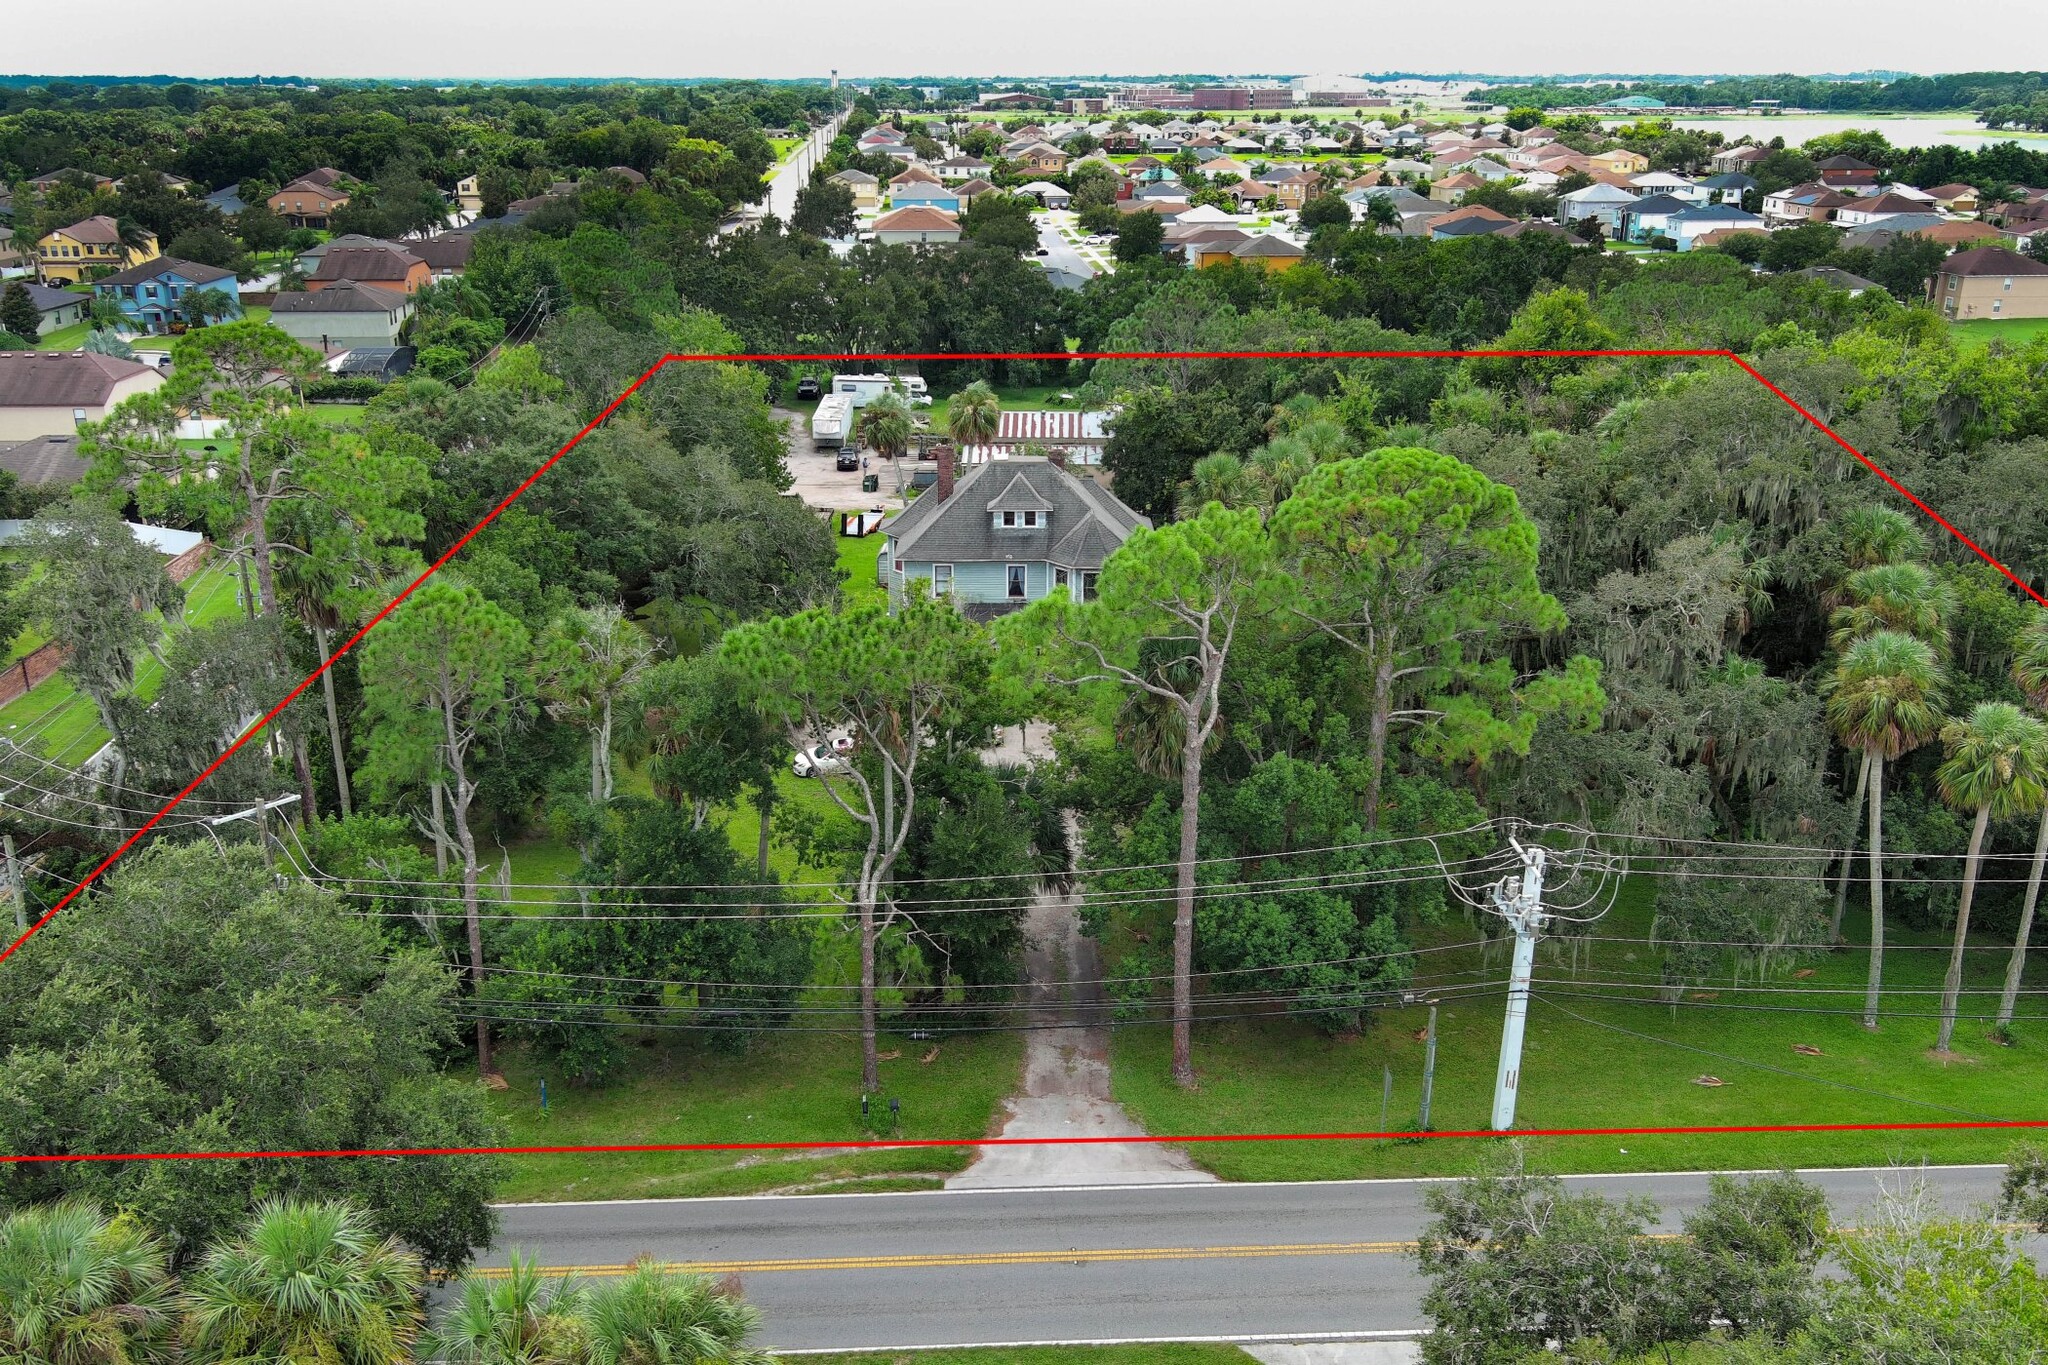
816	761
832	423
847	461
809	388
863	388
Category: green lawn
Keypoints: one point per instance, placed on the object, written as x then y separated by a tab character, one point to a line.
61	723
1258	1076
1983	331
1164	1353
790	1087
857	556
65	338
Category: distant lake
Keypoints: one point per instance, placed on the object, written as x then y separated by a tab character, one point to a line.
1957	129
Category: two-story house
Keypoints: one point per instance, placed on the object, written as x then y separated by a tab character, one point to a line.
72	255
1004	534
151	295
308	201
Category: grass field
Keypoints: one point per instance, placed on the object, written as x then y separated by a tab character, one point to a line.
1615	1065
857	562
1983	331
61	723
1166	1353
792	1087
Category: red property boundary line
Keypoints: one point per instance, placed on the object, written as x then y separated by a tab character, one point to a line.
256	727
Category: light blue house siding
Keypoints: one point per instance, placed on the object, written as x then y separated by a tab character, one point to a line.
153	299
984	582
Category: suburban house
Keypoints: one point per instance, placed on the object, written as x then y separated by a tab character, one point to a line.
919	225
1619	161
1990	282
71	254
151	295
1728	187
1042	158
1871	210
1266	251
1664	182
1741	160
44	461
1601	202
386	267
43	184
228	199
1046	193
924	194
1004	534
342	316
53	393
1294	187
1646	218
468	197
1451	188
59	307
1688	227
962	168
867	190
309	202
968	189
1079	436
1848	174
446	255
1810	203
1954	198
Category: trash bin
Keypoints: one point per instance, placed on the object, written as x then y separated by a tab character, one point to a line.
870	483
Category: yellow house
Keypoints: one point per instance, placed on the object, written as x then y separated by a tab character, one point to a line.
1266	251
72	255
468	196
1619	161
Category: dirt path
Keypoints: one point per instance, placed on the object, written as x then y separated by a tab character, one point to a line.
1066	1076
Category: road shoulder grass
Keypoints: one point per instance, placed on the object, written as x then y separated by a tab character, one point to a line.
1595	1061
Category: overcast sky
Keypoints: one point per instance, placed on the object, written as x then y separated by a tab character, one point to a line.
799	38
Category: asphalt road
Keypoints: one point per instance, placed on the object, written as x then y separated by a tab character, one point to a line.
1060	254
961	1267
796	172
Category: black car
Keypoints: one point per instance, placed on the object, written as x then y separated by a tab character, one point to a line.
808	389
847	461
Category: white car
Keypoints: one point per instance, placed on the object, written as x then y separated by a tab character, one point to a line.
1094	240
816	761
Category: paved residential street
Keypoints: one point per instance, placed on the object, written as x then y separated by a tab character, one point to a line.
1061	254
1081	1263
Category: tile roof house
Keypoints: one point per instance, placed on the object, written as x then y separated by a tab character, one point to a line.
1004	534
386	267
1847	173
50	393
151	295
71	254
918	225
342	316
59	307
1990	282
44	461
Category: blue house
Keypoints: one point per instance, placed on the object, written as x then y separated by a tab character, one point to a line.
151	295
1008	533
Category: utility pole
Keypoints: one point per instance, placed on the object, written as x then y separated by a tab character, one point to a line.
14	885
1428	1071
1520	903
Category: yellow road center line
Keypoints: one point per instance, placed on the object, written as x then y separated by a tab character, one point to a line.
939	1261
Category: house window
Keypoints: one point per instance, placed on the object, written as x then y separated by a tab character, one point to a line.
942	579
1059	577
2008	283
1031	518
1087	586
1017	580
1008	519
1997	306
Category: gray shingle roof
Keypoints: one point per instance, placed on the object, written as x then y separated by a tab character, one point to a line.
1019	496
165	265
44	461
346	296
62	379
960	530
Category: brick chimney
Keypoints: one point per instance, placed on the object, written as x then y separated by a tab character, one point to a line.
1058	457
942	455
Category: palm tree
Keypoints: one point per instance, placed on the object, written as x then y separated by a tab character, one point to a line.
2030	671
308	1284
1885	699
132	235
975	415
1901	596
1225	478
515	1319
1879	535
1997	762
79	1288
885	425
655	1316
